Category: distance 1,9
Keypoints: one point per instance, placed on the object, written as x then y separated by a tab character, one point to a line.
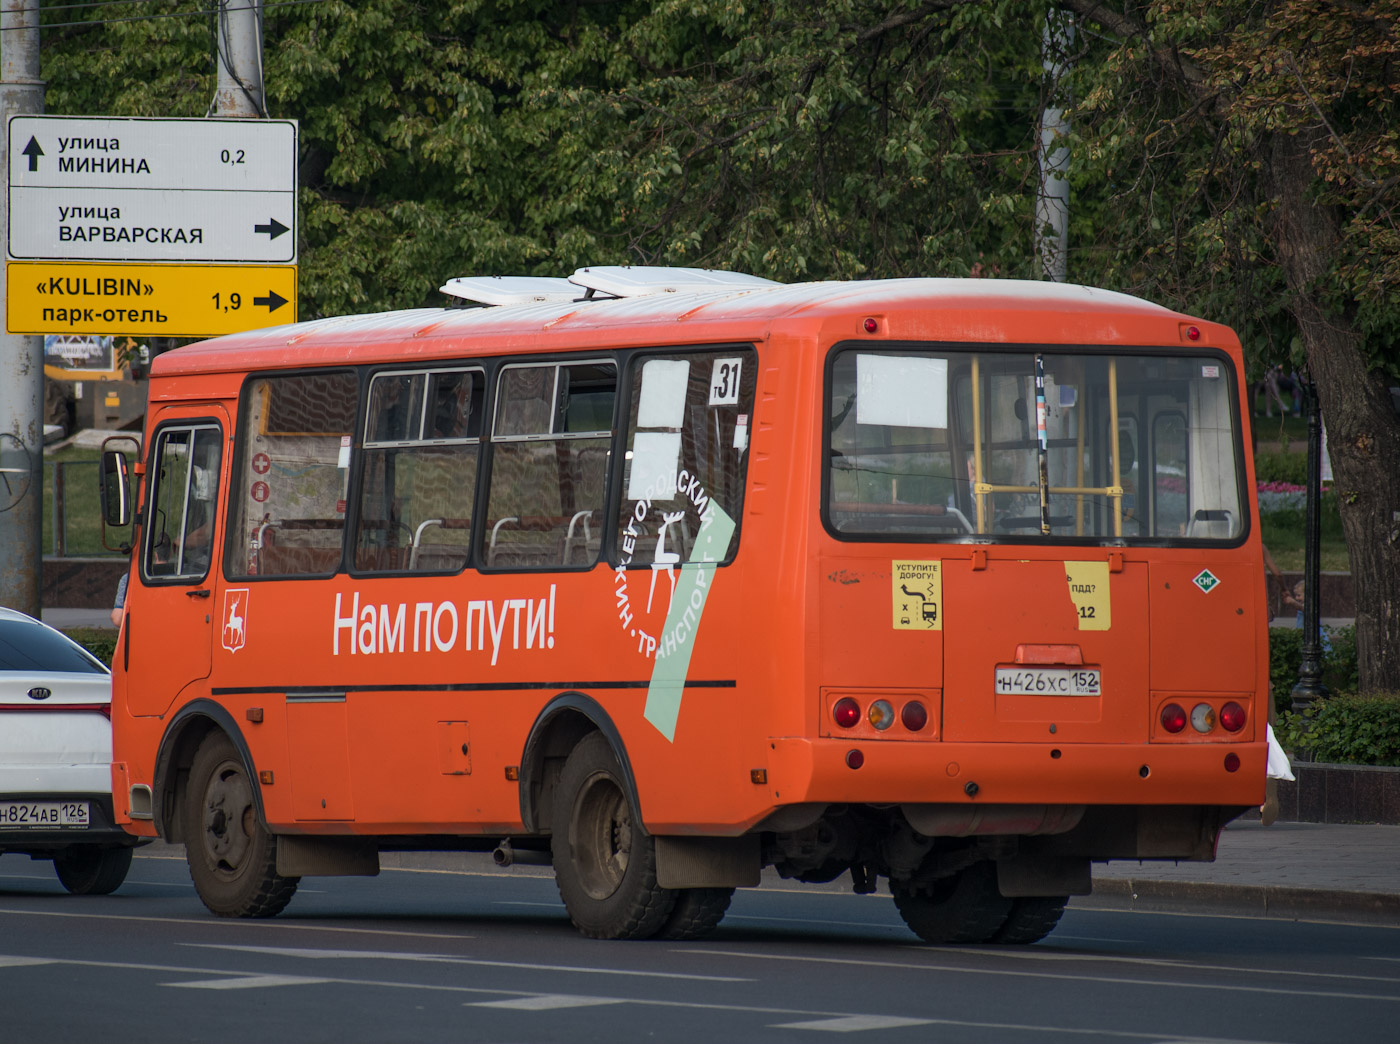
235	302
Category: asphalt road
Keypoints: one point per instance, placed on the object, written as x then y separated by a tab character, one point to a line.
436	955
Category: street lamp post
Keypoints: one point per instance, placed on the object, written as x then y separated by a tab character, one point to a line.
1310	687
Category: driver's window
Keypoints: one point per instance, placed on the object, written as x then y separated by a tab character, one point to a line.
181	503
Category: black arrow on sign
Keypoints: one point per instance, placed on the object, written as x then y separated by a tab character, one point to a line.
274	228
33	151
273	300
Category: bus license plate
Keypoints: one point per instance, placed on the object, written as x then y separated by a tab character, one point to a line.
21	815
1047	681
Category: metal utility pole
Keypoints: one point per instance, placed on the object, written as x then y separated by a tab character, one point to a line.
239	90
21	355
1052	206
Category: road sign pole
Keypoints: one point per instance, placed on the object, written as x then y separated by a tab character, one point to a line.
21	355
240	82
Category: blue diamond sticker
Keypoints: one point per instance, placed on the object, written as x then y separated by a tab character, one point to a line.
1206	580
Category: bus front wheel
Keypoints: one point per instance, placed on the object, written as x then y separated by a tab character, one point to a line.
604	860
231	855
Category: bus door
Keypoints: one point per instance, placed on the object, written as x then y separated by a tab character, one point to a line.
171	621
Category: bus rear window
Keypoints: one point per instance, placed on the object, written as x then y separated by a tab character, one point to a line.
946	445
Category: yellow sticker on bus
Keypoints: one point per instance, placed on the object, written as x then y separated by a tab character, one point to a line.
918	595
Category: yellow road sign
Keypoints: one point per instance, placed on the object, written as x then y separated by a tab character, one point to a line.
170	300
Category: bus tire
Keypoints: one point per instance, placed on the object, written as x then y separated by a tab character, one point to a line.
604	861
963	908
92	871
1031	919
697	913
232	857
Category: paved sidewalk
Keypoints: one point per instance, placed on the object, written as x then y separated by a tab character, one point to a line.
1348	872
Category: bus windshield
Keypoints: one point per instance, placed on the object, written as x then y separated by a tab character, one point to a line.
1028	445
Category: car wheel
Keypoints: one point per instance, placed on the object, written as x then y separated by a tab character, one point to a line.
92	871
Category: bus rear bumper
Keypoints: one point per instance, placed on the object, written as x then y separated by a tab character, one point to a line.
887	772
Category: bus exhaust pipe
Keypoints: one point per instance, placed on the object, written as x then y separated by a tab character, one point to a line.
506	854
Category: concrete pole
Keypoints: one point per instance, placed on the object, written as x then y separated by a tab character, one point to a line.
1052	205
239	90
21	355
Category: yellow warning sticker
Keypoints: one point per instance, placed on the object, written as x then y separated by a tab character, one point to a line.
918	595
1088	589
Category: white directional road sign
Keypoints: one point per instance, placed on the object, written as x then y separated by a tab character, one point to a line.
112	189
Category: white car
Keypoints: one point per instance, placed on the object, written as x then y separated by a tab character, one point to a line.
55	757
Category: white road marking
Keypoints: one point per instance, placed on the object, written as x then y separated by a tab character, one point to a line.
854	1023
1049	954
246	982
744	1009
434	958
22	962
234	922
1155	983
547	1002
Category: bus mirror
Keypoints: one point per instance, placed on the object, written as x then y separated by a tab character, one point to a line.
114	487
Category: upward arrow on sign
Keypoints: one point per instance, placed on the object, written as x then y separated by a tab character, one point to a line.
273	228
33	151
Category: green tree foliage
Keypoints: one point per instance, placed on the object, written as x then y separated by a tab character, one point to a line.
1237	159
1251	153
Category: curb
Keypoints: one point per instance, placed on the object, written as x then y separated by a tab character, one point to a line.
1262	901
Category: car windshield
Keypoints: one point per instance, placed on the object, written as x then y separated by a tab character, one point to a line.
27	646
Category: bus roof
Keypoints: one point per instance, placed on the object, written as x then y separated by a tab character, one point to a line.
740	312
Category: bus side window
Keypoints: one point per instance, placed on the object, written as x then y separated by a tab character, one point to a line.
549	452
687	447
292	474
421	453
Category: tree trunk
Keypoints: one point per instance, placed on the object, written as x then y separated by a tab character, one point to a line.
1363	430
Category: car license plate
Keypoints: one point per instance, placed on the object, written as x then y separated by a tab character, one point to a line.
1048	681
21	815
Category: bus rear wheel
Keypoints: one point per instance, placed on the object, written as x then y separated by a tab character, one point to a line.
92	871
697	913
963	908
1031	919
231	855
604	860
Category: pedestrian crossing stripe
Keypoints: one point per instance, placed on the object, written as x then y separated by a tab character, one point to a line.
547	1002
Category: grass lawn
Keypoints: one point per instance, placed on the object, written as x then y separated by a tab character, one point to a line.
82	511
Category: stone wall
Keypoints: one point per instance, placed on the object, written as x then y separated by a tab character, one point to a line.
1340	794
81	583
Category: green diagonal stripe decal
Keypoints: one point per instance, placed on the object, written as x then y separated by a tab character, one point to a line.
677	641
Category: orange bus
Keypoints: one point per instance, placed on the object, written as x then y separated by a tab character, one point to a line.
666	576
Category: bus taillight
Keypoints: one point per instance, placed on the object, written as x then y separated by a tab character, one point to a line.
1203	717
881	714
1232	717
914	715
846	713
1173	717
